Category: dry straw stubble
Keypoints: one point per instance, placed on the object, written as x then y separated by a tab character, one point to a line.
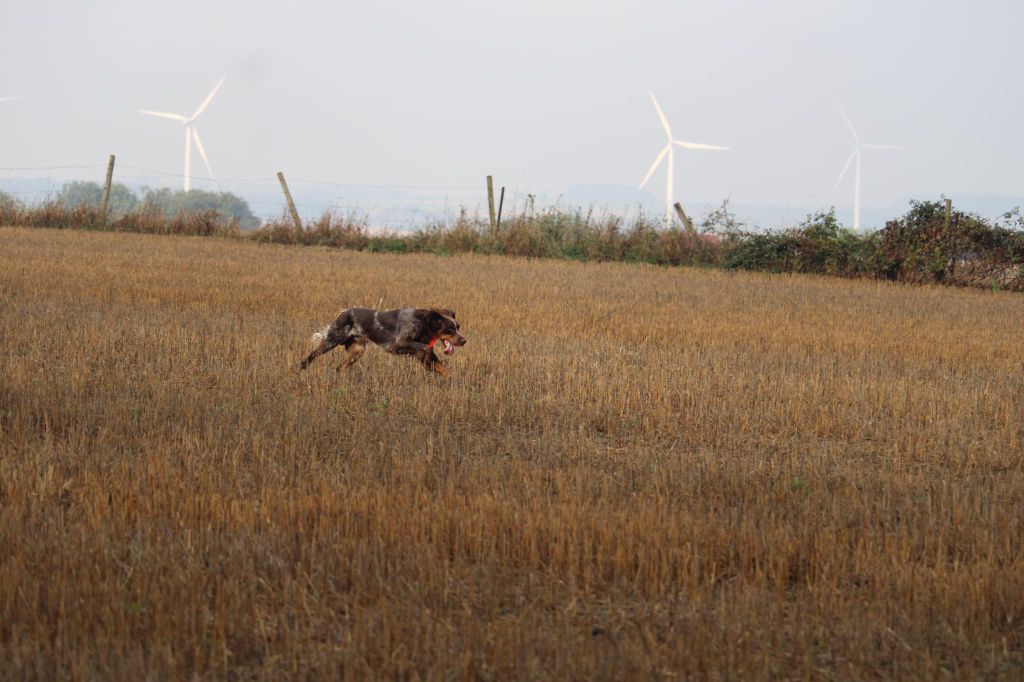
634	472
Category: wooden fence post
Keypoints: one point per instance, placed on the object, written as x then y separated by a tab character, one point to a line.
291	204
949	211
490	198
501	203
106	191
687	223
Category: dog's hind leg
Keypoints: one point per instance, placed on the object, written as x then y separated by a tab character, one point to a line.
339	332
353	352
324	346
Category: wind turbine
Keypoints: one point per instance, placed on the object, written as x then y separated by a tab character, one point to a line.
8	99
191	132
855	156
671	158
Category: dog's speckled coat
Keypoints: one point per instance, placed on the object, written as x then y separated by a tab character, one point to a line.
404	331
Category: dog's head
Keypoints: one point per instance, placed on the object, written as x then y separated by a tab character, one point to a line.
443	327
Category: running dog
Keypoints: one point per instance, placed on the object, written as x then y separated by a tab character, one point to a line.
406	331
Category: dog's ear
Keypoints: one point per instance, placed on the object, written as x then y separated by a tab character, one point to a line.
435	318
444	311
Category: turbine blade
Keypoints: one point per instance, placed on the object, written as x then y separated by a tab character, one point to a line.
845	168
661	115
669	184
8	99
206	102
856	138
163	114
885	146
202	152
655	165
188	158
697	145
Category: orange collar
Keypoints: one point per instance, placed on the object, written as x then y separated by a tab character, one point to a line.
432	342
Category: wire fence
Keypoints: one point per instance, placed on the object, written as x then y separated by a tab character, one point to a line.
396	206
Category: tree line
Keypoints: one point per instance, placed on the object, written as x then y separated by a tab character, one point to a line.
170	203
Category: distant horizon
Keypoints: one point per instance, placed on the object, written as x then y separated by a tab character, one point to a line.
392	206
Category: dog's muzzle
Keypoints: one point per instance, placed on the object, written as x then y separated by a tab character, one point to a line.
449	346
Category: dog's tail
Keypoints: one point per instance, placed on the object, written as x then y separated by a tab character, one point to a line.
321	335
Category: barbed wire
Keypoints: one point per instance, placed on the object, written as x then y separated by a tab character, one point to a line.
328	183
28	192
384	186
437	209
155	173
171	174
64	167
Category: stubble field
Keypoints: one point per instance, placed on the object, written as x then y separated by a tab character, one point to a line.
634	472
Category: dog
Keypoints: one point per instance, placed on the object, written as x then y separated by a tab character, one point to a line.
405	331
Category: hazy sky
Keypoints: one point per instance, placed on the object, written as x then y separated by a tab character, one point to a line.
544	95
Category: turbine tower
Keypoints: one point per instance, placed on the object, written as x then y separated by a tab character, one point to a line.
671	158
855	156
191	132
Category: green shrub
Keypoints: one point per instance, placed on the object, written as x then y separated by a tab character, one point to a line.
819	245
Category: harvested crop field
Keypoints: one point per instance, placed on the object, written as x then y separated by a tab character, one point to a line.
635	472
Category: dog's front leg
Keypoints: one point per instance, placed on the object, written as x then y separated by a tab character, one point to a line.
432	362
425	354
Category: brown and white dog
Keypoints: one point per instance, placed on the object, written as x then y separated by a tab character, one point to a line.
406	331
